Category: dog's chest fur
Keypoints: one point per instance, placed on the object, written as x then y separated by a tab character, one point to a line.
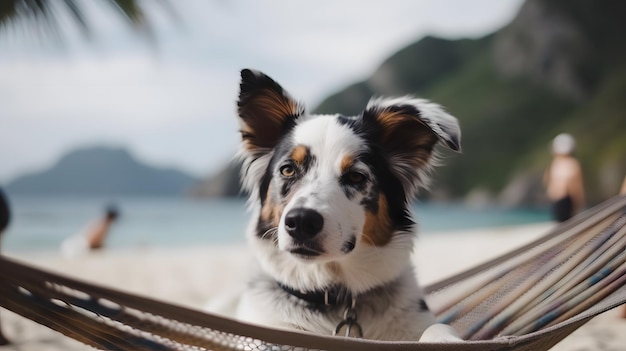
392	312
330	207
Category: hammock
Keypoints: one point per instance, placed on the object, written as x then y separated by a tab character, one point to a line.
529	299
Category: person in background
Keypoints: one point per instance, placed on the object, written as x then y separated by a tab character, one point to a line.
98	233
5	217
564	179
93	238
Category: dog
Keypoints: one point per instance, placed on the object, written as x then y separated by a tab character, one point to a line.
331	225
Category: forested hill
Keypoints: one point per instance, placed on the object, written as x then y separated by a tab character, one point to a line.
560	66
102	170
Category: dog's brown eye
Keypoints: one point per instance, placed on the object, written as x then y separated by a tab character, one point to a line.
355	177
287	171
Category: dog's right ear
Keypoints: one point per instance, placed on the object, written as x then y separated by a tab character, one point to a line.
266	112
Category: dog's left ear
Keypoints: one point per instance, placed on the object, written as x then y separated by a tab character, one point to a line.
266	112
404	122
408	130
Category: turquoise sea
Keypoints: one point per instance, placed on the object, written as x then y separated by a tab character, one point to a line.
41	223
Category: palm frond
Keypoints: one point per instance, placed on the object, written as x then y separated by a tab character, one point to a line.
44	14
131	10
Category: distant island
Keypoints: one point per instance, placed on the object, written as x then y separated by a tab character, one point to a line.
101	170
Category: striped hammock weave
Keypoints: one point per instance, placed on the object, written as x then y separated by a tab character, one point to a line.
528	299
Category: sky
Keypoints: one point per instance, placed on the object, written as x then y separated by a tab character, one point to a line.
170	98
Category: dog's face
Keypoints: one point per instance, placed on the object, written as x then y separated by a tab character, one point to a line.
327	185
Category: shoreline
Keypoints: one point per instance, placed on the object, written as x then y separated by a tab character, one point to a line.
192	276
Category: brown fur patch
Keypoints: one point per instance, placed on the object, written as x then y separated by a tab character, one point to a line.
271	212
276	106
405	134
300	154
264	115
346	163
377	230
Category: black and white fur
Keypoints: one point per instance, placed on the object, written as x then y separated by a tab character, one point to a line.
330	209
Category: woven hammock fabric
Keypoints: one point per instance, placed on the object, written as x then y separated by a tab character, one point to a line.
529	299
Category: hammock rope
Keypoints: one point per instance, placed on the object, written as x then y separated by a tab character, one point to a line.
528	299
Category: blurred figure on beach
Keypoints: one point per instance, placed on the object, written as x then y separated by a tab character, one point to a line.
564	179
93	237
5	217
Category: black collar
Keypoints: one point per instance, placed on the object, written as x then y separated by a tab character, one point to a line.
333	296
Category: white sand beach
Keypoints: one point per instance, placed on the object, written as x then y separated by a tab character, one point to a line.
193	276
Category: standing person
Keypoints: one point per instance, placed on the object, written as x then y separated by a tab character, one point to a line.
5	217
564	179
93	237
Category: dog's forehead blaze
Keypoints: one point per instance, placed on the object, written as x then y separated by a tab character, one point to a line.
299	154
378	229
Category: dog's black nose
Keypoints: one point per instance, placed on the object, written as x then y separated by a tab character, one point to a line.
303	223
